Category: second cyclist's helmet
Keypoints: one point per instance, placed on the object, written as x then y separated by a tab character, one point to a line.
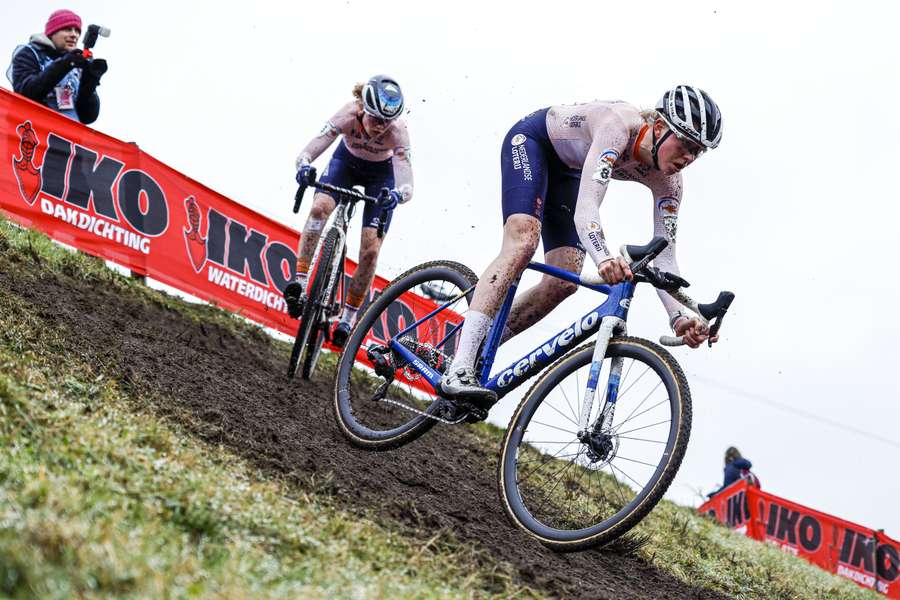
382	98
691	113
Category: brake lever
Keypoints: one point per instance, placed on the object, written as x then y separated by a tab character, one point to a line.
721	305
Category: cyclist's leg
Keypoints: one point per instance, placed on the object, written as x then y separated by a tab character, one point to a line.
561	249
374	177
323	205
361	281
295	291
535	303
523	165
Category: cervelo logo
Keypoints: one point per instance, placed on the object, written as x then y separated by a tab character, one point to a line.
549	349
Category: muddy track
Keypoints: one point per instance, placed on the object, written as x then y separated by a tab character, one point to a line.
232	391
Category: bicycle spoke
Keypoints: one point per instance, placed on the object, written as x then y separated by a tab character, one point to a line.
646	426
619	426
553	426
622	437
619	469
633	383
563	415
618	485
540	458
642	403
558	480
635	461
544	442
562	389
549	458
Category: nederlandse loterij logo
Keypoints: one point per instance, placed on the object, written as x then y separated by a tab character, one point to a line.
28	175
193	241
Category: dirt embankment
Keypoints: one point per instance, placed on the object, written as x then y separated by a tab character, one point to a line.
232	390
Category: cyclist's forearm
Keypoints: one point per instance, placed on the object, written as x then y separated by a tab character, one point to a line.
665	224
317	145
587	221
403	176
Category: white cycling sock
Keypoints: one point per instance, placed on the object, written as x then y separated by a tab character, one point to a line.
475	329
301	278
349	314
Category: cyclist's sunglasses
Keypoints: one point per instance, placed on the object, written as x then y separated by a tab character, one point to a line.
690	145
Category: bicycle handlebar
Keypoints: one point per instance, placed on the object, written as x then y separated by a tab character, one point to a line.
639	258
344	193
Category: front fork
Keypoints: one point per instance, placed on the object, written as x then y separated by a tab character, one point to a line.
609	327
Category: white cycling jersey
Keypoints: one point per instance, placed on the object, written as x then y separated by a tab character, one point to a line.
393	142
602	139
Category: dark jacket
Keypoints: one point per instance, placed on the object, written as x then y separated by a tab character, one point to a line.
39	67
733	471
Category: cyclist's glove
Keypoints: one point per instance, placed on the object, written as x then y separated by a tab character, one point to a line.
306	174
388	199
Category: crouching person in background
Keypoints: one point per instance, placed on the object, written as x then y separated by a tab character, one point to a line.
49	69
736	467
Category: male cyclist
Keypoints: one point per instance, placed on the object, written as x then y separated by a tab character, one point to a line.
556	165
374	153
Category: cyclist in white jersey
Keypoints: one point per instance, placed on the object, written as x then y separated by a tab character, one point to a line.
374	153
557	164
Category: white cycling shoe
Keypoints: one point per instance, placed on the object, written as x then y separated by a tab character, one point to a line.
462	384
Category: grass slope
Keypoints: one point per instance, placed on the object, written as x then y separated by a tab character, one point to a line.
99	498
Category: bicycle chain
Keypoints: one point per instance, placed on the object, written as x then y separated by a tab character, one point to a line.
421	412
414	347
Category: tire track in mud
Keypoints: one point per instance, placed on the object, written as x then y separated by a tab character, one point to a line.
232	390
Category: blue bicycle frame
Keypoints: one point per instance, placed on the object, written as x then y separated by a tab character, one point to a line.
616	305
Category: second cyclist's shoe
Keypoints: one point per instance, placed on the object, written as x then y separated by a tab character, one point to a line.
461	384
340	334
295	298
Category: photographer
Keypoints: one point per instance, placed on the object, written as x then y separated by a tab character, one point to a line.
52	71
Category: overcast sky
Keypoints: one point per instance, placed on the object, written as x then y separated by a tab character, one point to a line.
795	212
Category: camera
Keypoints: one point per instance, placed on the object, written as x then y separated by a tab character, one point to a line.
90	38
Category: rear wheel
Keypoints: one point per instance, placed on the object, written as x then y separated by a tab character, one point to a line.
389	405
572	492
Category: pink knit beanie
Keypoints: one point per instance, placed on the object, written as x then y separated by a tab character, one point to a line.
61	19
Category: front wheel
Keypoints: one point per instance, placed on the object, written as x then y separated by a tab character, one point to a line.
573	492
386	406
309	337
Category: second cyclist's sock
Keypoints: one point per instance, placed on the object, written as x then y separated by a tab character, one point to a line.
349	314
301	278
474	331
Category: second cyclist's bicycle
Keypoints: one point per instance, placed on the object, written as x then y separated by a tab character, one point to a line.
591	447
323	304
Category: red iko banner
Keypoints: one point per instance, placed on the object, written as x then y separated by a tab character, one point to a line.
863	555
112	200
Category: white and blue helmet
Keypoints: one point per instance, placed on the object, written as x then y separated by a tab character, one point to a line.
691	113
382	98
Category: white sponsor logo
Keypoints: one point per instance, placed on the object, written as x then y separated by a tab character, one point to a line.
549	349
625	303
518	139
520	161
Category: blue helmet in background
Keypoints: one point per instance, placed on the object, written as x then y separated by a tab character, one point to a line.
382	98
